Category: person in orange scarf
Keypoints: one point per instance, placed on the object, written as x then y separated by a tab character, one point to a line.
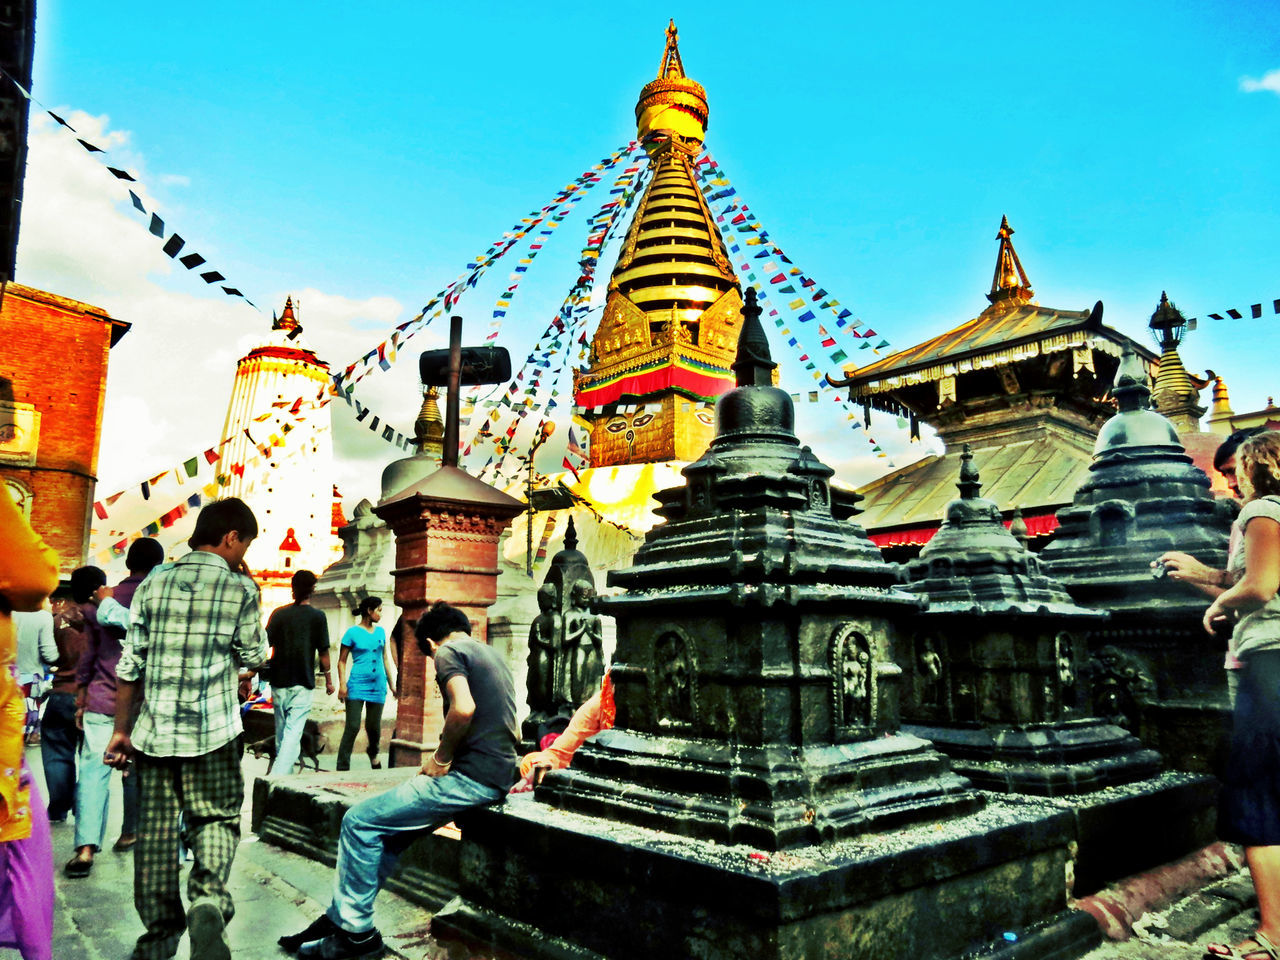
597	714
28	574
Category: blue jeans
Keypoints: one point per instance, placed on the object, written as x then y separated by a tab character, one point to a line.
58	735
376	831
292	707
93	789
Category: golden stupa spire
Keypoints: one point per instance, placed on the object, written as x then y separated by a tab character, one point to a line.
1010	281
670	327
1175	393
672	110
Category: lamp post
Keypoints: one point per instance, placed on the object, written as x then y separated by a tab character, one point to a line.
545	430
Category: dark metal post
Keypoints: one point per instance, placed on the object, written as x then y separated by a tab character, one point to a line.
453	404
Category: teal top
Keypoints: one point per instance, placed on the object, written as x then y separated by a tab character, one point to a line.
368	677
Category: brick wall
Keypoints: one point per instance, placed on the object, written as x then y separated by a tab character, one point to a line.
54	351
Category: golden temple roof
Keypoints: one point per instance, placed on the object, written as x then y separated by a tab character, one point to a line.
1012	328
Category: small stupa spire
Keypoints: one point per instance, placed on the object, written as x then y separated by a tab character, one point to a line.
1175	393
672	65
287	320
1010	280
970	484
754	364
428	428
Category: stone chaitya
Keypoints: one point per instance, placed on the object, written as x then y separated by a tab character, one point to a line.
566	643
756	688
997	671
1154	669
756	796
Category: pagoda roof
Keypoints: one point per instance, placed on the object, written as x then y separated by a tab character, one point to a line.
1005	332
1035	474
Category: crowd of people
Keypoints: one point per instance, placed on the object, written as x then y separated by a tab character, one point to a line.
145	678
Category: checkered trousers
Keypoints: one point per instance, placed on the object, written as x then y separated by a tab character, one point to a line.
208	792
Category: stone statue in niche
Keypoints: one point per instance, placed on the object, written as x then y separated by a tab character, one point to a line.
855	680
544	645
673	680
583	650
930	664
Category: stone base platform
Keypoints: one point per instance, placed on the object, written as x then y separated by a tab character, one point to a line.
1126	829
541	882
303	814
544	883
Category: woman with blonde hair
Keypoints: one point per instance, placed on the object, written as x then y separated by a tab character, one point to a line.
1249	811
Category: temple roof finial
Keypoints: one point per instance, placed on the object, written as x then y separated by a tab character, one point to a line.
970	485
754	364
672	65
1010	280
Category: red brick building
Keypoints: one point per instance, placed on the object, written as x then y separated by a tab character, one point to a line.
53	378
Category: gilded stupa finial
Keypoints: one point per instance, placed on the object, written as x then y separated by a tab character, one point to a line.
672	110
1010	281
287	320
672	65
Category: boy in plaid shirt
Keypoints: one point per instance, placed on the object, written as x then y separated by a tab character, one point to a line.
193	624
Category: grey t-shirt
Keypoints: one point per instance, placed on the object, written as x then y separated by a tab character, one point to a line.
487	753
1259	630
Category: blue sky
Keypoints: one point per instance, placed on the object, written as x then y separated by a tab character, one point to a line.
363	161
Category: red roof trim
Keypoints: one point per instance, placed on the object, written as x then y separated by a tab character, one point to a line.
284	353
1040	525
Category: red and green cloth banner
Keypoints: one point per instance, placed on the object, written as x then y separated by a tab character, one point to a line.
698	381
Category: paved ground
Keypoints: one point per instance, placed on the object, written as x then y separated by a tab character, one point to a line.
275	892
278	892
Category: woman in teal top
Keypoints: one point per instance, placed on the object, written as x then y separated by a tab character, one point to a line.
364	684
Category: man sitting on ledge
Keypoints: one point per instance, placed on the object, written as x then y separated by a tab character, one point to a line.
474	765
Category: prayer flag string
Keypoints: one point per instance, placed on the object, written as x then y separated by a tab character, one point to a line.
173	243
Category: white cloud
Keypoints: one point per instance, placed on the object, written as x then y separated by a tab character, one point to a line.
1270	81
170	377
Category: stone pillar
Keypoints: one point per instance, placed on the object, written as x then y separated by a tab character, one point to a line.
446	529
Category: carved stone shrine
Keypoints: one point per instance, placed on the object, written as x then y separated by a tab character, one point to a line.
756	796
997	676
1155	671
566	644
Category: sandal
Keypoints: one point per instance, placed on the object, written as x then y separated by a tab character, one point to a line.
1265	950
126	841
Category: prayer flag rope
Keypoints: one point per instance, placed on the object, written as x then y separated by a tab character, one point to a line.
565	325
173	243
782	277
446	299
1255	312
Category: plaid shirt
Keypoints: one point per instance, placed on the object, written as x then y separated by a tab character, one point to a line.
193	623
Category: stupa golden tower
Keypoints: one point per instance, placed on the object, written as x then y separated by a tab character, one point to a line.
670	326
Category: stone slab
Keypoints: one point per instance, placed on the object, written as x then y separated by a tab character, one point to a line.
1126	829
623	891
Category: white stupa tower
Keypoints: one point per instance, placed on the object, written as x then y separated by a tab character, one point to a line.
278	457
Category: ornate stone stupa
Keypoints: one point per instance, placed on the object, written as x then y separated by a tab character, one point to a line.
756	796
997	668
1155	670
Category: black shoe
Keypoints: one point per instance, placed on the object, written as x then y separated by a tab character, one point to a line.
345	946
320	928
78	868
206	928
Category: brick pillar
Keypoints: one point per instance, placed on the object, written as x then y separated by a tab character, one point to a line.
446	528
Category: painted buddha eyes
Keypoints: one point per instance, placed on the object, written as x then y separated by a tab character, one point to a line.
616	425
641	420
